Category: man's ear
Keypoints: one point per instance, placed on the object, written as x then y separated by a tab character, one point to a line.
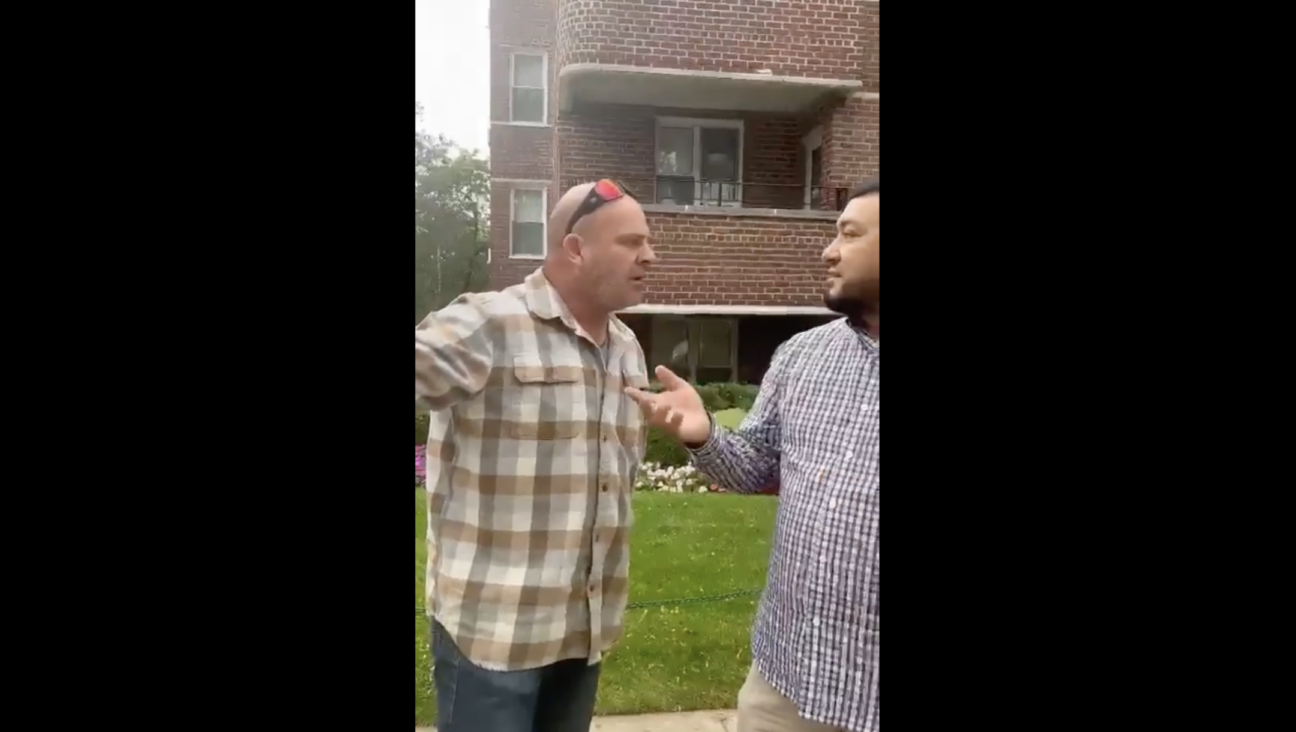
571	245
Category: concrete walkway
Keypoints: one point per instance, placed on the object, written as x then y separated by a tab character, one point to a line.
716	721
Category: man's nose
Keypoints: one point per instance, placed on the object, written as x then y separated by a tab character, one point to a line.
647	255
830	252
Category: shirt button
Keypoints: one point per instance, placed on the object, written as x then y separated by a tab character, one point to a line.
605	487
849	453
832	503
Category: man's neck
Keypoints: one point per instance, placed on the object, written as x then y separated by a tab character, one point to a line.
870	320
593	320
595	326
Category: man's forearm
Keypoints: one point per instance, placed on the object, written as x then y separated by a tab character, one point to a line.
440	382
453	354
733	462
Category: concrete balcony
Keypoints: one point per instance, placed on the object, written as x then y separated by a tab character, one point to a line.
596	83
712	54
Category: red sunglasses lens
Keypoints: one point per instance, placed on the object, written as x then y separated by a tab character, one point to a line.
607	190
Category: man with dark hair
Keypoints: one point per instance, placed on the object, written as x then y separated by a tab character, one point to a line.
815	425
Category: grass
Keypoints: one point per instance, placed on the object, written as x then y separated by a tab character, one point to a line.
675	657
730	418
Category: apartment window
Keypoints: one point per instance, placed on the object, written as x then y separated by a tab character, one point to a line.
527	207
699	162
813	145
702	350
529	88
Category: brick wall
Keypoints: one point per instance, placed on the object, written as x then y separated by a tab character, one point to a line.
517	152
521	153
851	150
608	141
870	44
519	25
620	141
505	271
815	38
705	259
773	162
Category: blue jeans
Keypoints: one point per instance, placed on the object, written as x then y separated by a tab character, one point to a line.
554	698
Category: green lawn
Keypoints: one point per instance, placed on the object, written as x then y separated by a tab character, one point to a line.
730	418
674	657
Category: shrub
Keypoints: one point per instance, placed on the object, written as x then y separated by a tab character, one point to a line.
663	449
420	428
719	396
737	396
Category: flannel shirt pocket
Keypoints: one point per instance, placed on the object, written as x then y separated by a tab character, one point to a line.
541	407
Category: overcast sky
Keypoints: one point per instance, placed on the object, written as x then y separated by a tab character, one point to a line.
452	69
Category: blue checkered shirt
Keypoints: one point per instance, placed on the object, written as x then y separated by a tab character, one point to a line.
815	427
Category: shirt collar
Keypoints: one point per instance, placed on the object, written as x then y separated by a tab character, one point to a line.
544	302
871	344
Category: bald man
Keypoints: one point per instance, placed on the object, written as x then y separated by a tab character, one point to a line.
532	452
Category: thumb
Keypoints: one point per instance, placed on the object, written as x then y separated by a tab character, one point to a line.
669	380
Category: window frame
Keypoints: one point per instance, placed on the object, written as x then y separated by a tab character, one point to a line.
544	80
811	142
698	124
693	331
544	217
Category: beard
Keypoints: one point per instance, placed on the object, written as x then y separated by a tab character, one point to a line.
851	307
851	304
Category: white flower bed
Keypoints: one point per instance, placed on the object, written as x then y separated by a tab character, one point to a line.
671	479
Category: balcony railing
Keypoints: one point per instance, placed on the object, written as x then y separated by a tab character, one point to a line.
709	192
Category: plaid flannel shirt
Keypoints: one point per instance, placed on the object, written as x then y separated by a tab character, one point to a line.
531	457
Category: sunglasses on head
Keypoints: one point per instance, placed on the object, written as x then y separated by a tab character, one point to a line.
604	191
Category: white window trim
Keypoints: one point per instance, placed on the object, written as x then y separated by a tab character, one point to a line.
811	142
693	327
698	124
544	70
544	217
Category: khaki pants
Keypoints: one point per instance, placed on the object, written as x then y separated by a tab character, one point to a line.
761	708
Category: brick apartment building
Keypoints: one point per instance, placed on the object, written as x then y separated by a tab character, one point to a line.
739	124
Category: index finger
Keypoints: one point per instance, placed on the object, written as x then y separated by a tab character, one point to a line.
642	398
668	379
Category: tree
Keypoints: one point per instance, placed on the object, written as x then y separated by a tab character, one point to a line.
451	221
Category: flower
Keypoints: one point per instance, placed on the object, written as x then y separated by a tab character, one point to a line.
670	479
